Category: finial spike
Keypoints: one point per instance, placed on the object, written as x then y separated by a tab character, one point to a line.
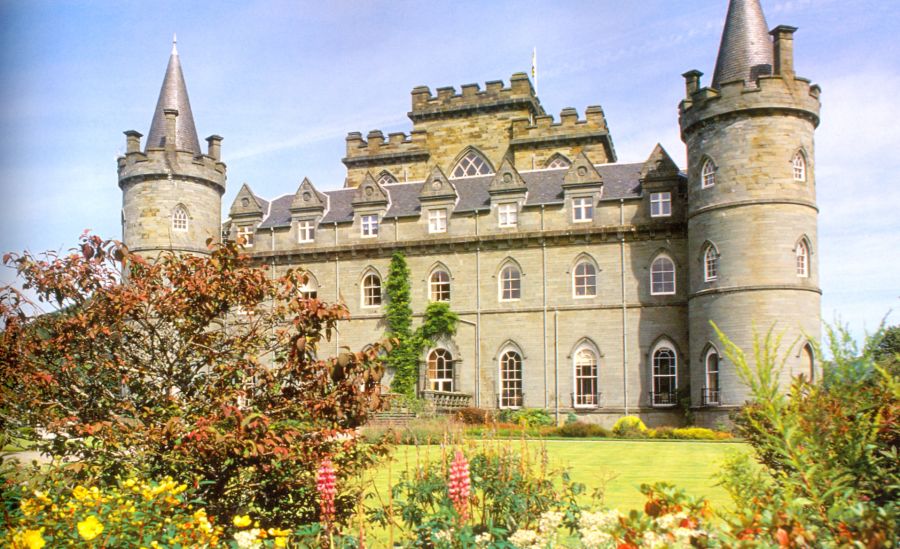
174	44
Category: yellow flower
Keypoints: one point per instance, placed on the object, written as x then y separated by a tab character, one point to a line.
80	493
90	528
30	539
242	521
30	507
281	542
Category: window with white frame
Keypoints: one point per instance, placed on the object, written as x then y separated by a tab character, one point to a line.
711	391
584	279
306	231
510	283
799	166
660	204
558	161
245	235
707	174
507	214
437	221
440	370
369	225
585	364
470	165
802	259
371	290
511	395
439	286
179	219
582	209
710	264
665	382
662	276
309	289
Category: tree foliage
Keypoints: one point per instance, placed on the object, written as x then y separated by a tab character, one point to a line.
202	368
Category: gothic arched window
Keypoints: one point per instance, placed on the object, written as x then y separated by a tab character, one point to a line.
471	164
802	252
584	279
371	290
665	369
707	174
585	364
511	394
711	391
510	283
798	164
439	286
662	276
710	264
558	161
386	178
180	218
440	370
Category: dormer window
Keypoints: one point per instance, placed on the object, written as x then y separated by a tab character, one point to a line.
437	221
660	204
799	167
245	235
471	165
507	214
306	231
369	226
582	209
707	174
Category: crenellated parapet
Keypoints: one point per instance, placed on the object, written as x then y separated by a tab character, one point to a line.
399	147
135	165
447	103
545	132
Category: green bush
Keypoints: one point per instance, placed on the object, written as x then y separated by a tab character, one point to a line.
629	427
529	417
580	429
698	433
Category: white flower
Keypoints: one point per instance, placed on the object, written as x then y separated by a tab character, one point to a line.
248	539
595	539
526	539
652	539
483	540
549	523
443	536
601	520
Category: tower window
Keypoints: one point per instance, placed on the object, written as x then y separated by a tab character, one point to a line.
440	370
707	174
437	221
470	165
507	214
511	380
710	264
665	383
809	362
439	286
802	259
711	391
799	166
584	279
510	283
245	235
582	209
586	394
662	276
306	231
180	219
371	290
660	204
369	226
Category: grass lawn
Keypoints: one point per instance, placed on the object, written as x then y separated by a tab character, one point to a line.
687	464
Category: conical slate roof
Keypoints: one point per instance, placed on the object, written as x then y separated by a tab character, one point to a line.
174	95
746	48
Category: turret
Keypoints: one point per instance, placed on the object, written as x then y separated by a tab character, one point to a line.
171	191
752	214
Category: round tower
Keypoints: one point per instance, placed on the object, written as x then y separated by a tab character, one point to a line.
171	191
752	211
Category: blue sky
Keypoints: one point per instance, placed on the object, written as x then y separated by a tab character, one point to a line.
284	82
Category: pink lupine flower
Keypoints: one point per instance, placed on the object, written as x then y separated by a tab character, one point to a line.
327	489
459	485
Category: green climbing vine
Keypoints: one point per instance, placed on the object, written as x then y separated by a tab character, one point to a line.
438	321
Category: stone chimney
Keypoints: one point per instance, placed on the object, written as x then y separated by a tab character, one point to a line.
132	142
215	147
783	42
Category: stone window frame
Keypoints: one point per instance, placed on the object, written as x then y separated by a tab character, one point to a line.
386	178
580	399
653	270
802	255
180	218
505	212
584	205
584	260
437	289
368	225
438	220
710	262
557	161
663	350
510	391
799	166
310	288
708	171
473	158
306	231
447	382
711	396
370	282
502	286
807	354
248	233
661	204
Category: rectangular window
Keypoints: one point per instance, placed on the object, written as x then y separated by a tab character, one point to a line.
508	214
306	231
582	209
437	221
660	204
369	225
246	233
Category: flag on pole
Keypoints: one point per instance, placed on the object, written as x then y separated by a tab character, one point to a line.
534	69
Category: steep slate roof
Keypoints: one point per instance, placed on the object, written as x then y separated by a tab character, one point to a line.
746	48
173	95
544	187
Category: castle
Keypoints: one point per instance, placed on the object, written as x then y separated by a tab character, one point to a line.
583	285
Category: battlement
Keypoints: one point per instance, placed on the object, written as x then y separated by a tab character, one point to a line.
447	102
398	146
569	125
156	163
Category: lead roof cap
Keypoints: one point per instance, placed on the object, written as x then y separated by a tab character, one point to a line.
173	95
745	52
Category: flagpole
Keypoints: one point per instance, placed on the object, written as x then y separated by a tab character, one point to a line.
534	70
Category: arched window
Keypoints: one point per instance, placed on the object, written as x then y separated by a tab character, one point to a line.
471	164
808	362
584	279
440	370
711	390
799	166
179	219
707	174
665	382
586	394
710	263
558	161
439	286
309	289
386	178
662	276
511	380
371	290
802	251
510	283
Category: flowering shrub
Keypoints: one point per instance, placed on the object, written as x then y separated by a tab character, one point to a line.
132	513
629	426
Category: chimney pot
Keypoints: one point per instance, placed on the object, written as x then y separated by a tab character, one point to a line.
783	44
